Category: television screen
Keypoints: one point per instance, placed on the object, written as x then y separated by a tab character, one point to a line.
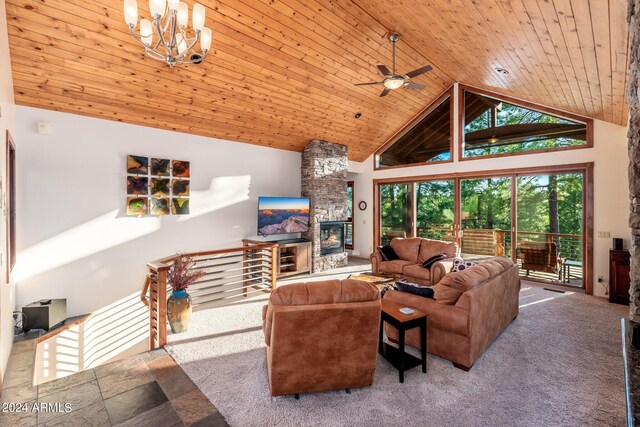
281	215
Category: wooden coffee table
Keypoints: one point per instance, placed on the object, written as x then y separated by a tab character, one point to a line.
403	322
376	279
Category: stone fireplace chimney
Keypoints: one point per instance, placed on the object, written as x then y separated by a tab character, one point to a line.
324	181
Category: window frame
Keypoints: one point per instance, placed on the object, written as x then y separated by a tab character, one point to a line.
462	89
350	219
587	169
416	119
10	205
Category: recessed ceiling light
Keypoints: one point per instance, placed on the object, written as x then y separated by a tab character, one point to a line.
502	71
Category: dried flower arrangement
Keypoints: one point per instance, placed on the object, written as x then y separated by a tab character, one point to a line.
181	274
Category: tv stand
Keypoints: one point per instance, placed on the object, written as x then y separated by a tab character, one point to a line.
294	257
287	241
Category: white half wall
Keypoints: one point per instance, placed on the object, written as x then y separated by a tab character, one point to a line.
7	122
74	238
611	194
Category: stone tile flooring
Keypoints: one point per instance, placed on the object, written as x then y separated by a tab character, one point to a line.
148	389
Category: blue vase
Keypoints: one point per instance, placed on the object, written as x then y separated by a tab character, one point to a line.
179	310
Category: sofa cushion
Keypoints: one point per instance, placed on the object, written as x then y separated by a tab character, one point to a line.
416	270
325	292
407	249
429	248
466	279
387	253
395	266
412	288
446	294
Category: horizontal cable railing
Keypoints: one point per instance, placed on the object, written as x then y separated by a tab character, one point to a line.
494	241
229	275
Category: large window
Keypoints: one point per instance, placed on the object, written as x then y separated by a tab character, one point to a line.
538	217
495	126
425	140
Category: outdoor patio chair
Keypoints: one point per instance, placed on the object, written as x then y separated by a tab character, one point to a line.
540	256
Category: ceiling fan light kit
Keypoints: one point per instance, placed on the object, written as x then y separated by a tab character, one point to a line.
170	19
394	81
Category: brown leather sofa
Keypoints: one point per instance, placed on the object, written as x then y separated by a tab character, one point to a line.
321	336
413	252
470	310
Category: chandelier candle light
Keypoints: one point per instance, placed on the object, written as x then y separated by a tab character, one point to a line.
170	19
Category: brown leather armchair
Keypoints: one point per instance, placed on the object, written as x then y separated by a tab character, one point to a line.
321	336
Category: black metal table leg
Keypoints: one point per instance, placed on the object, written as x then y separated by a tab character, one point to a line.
423	344
401	348
380	337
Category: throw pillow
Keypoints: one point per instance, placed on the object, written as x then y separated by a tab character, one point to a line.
460	265
387	253
433	259
412	288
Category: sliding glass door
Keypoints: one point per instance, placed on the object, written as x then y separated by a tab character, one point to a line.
536	219
550	227
485	217
396	211
435	208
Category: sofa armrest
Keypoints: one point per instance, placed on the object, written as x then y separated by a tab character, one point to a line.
440	268
267	319
492	306
376	259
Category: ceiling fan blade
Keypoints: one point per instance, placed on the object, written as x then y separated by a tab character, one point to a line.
419	71
365	84
385	92
412	85
384	70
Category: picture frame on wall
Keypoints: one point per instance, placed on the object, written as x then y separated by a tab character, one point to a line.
157	186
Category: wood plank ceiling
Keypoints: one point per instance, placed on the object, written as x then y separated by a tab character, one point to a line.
281	72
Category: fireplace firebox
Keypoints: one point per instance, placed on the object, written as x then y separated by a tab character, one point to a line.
331	237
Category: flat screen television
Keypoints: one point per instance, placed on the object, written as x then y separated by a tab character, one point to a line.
282	215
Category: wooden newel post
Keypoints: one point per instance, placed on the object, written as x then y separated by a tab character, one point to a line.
162	307
634	153
274	266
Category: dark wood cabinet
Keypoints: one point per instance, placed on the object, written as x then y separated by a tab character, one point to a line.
619	276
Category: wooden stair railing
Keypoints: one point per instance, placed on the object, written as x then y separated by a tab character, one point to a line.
230	274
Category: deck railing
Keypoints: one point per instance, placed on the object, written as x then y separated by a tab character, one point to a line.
497	242
230	274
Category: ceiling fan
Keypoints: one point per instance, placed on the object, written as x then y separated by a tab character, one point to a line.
395	81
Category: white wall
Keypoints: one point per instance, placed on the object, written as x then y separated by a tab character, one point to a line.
7	122
74	239
611	195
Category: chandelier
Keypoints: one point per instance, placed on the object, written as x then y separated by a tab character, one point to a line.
170	19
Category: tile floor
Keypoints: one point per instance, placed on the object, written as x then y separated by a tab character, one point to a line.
148	389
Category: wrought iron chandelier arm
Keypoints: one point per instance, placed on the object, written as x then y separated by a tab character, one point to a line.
155	55
138	39
161	36
191	46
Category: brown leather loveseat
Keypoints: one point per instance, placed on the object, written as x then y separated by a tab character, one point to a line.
321	336
413	252
470	310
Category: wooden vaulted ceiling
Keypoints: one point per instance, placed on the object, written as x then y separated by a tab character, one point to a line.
281	72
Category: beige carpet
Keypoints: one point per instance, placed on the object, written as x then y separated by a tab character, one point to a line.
558	364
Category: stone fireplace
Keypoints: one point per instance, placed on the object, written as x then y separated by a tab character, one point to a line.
324	182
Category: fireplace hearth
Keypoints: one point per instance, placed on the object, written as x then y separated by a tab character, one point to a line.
331	237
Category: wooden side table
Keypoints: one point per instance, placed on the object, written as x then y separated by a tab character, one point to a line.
403	322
